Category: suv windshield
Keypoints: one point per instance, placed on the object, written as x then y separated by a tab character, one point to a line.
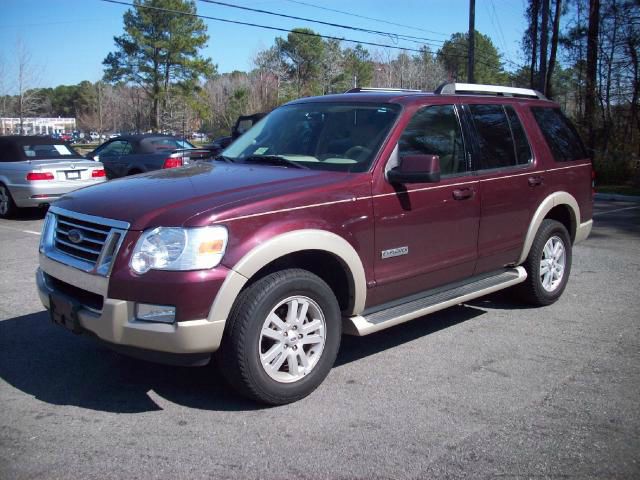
321	136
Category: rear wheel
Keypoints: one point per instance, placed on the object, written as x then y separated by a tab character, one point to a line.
283	337
7	205
548	264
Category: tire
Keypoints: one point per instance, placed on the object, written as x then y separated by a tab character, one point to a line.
261	366
7	206
540	288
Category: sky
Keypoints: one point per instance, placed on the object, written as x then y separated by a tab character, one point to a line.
68	39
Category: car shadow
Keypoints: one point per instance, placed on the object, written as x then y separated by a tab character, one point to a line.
57	367
356	348
28	214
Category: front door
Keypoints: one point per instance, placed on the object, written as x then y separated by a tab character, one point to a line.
426	233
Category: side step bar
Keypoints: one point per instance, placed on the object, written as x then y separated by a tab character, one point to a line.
432	301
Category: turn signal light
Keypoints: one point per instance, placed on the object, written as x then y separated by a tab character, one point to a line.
39	176
172	162
98	173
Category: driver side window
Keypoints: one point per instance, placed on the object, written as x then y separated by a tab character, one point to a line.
435	130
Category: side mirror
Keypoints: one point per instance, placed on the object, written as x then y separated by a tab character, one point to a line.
416	169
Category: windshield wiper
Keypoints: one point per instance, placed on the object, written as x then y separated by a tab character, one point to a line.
222	158
273	160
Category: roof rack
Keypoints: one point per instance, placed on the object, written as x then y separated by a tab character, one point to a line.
473	88
372	89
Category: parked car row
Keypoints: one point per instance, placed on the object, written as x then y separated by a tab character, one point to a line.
36	170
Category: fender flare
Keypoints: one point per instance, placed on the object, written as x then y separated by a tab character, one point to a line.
279	246
553	200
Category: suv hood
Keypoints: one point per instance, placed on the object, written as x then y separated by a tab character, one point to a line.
171	197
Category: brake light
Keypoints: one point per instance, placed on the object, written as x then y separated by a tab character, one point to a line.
172	162
98	173
39	176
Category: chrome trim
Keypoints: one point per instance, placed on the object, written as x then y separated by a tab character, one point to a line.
91	218
71	224
66	273
82	249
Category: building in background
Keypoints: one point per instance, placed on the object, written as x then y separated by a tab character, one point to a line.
36	126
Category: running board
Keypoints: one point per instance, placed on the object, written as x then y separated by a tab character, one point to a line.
432	301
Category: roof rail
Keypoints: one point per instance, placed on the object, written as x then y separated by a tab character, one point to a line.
372	89
473	88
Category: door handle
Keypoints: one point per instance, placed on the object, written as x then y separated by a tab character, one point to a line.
462	193
535	181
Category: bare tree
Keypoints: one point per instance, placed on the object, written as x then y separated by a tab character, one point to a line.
28	98
3	88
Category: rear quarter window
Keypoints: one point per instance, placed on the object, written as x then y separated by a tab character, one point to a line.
561	136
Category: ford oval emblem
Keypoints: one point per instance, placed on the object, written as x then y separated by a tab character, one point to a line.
75	236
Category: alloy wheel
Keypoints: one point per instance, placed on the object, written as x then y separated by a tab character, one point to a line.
292	339
552	263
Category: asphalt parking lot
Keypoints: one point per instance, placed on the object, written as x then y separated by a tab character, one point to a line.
484	390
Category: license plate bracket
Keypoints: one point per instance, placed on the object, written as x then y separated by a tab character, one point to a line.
73	175
64	312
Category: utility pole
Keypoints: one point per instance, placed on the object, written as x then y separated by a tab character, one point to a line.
472	37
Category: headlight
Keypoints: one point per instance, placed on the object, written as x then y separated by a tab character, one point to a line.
174	248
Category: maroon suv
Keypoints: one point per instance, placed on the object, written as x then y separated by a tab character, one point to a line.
344	213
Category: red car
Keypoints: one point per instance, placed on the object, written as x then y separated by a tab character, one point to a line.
343	213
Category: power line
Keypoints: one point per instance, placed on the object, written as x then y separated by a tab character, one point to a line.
268	27
411	38
368	18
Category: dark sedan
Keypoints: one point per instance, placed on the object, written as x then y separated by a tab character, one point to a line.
132	154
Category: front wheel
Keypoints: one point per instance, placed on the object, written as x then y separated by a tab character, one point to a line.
7	205
283	337
548	264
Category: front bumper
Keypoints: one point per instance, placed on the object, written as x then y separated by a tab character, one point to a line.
115	323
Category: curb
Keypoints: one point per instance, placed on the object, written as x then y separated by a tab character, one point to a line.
617	197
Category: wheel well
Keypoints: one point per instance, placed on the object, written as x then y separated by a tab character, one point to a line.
565	215
323	264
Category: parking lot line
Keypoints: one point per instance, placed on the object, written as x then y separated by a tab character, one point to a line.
616	210
18	230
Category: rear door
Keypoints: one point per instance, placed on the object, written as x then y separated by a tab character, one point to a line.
510	184
426	233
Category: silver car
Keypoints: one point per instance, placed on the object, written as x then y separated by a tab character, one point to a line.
35	171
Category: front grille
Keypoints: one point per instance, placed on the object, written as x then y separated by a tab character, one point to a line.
85	242
92	238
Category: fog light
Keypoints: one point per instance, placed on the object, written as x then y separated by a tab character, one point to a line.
155	313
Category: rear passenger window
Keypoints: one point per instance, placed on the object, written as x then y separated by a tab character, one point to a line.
523	151
560	134
494	136
435	130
